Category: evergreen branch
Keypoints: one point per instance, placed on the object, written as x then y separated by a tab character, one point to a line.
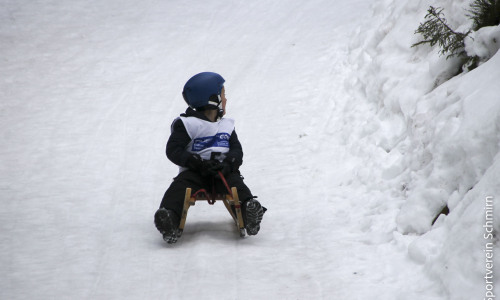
436	31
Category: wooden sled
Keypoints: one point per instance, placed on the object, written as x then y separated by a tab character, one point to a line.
231	202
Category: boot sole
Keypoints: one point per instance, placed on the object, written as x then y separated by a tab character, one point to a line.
165	226
254	214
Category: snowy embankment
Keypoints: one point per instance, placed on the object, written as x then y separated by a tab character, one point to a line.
442	139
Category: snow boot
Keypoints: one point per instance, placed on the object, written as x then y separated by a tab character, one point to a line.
167	223
252	216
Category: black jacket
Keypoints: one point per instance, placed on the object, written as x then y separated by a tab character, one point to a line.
179	139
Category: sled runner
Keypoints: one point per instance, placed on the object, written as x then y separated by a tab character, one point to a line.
230	200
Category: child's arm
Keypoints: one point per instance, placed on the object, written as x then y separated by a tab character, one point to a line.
235	154
177	143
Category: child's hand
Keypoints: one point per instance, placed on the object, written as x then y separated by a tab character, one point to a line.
211	167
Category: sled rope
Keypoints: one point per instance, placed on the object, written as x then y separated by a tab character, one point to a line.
200	191
225	183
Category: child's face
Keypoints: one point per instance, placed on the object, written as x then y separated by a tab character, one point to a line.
223	99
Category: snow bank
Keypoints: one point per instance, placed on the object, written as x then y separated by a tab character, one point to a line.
483	43
441	137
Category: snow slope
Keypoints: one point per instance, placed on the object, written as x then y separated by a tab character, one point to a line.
88	91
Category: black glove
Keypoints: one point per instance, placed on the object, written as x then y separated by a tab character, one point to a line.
211	167
208	167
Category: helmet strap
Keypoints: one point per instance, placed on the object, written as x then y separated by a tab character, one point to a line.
215	100
220	113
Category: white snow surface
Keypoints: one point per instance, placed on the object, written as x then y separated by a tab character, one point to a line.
353	140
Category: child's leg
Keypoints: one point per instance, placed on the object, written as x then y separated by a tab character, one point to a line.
234	179
174	196
251	208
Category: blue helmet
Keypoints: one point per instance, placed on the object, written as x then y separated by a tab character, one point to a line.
203	89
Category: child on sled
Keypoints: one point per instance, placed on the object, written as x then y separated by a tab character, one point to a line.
203	143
